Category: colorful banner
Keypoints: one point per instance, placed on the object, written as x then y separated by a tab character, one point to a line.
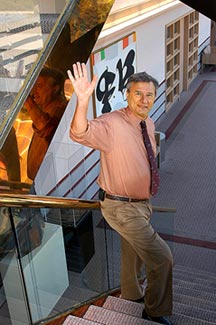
113	65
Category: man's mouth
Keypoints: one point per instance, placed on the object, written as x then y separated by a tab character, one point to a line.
143	107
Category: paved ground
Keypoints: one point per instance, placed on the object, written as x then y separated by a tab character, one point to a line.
188	178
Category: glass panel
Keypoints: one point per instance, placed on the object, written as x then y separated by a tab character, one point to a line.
176	75
26	122
176	91
63	258
163	223
169	82
169	66
176	44
191	32
170	49
14	305
169	31
177	60
169	98
191	18
177	27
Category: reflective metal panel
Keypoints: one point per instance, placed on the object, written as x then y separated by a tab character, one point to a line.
32	38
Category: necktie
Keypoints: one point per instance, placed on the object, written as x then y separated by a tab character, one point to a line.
155	178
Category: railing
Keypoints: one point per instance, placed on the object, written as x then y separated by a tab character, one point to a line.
36	201
56	254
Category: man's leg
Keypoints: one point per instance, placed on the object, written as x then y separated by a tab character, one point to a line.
131	266
131	221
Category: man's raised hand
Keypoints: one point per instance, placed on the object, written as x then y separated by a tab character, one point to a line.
79	79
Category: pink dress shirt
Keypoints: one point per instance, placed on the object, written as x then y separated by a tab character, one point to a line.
124	165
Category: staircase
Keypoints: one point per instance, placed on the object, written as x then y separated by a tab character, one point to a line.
194	295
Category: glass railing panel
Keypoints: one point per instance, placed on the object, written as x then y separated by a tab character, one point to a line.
192	251
164	223
113	254
64	257
63	261
14	306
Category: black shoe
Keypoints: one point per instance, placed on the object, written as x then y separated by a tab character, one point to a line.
160	320
139	300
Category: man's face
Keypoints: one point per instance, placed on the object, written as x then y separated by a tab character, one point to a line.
44	91
140	98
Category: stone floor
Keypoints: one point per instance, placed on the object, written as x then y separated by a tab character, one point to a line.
188	179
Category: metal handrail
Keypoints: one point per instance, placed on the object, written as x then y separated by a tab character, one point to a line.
36	201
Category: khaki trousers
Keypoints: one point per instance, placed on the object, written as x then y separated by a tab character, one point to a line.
141	245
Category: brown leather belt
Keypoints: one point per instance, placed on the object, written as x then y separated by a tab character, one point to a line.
122	198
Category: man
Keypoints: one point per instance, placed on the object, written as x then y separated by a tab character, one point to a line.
45	106
125	180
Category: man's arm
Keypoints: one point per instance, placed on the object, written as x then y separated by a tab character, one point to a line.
39	118
83	90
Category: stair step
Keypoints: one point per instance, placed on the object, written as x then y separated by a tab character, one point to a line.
124	306
194	303
135	309
195	286
192	279
117	311
73	320
209	305
179	319
193	292
192	275
195	312
195	272
109	317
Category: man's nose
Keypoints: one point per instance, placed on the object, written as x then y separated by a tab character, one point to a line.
144	98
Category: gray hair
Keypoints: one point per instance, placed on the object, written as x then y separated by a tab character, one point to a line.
141	77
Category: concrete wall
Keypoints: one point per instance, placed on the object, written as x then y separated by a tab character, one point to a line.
51	6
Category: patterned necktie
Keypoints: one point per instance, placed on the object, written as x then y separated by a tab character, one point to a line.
155	178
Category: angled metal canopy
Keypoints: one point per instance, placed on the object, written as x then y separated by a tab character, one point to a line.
205	7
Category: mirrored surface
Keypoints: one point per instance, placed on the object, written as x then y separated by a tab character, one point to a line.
38	44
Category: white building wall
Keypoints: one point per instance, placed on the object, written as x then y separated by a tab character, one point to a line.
204	30
51	6
150	39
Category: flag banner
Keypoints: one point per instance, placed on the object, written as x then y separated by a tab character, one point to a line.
113	65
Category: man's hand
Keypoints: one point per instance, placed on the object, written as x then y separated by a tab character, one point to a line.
83	89
79	79
29	103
